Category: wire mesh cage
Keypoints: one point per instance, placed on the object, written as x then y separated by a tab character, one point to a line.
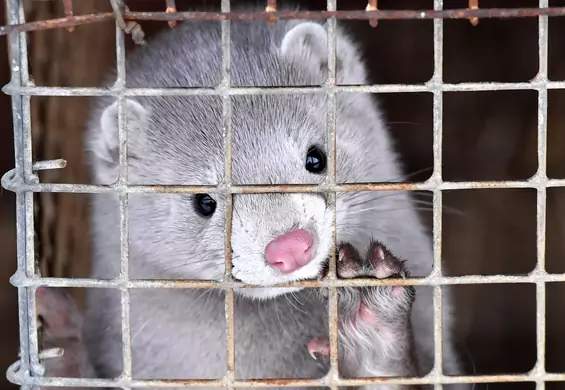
23	180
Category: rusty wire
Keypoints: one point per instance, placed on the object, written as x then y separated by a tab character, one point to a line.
473	5
271	6
130	26
171	9
68	8
372	6
168	16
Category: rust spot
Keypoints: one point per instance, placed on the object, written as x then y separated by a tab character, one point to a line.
270	8
372	6
160	189
188	382
68	6
474	5
171	9
281	382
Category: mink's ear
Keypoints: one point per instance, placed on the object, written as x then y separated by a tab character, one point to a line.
104	140
306	44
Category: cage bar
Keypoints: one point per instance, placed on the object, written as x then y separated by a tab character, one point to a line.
12	182
117	6
225	84
271	6
258	383
372	5
357	282
474	4
382	88
430	86
541	199
12	11
68	8
25	233
371	15
171	8
331	104
436	177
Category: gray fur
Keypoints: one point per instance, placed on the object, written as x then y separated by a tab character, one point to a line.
178	140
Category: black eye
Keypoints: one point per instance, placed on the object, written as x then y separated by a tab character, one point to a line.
204	205
315	160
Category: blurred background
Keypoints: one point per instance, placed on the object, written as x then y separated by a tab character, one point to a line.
487	136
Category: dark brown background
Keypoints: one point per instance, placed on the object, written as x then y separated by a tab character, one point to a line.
487	136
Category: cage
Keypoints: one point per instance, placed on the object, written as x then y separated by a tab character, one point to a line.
544	180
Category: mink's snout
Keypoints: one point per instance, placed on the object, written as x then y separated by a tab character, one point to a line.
290	251
279	238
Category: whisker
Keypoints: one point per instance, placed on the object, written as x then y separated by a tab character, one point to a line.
190	263
377	210
279	318
352	210
376	197
473	364
423	193
311	290
443	206
351	195
296	298
406	176
292	304
387	194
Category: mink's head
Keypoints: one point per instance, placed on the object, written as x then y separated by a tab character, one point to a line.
277	139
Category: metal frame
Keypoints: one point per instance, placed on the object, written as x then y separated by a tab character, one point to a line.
22	180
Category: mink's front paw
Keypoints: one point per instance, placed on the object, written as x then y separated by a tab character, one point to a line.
379	311
374	305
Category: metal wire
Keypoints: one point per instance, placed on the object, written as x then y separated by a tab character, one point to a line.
227	183
437	78
333	373
430	86
369	14
541	209
117	5
24	201
23	181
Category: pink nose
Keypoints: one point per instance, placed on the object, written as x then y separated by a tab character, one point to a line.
290	251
